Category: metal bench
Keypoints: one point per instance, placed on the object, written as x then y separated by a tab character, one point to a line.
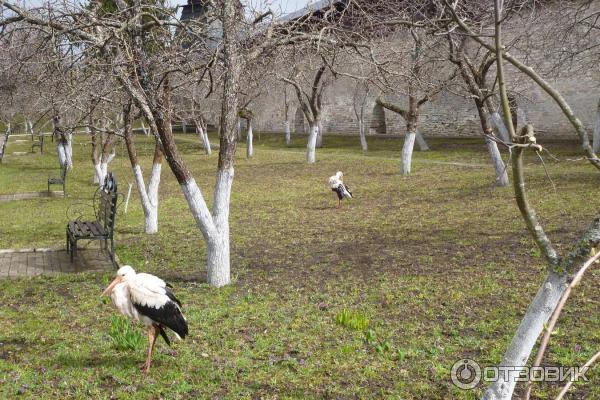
37	143
102	228
60	180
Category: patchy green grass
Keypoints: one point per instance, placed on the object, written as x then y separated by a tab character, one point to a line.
124	335
353	320
439	264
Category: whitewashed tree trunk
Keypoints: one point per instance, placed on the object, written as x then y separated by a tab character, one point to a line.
421	142
249	141
103	172
69	149
204	137
361	132
596	137
498	123
319	142
207	144
183	127
532	325
499	167
149	197
407	150
151	220
145	129
98	173
239	129
215	227
288	133
30	127
312	143
62	154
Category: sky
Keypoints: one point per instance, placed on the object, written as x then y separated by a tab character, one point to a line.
280	7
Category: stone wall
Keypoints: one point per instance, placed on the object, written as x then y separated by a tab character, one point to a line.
447	115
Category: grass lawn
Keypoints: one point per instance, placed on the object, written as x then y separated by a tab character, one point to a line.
375	300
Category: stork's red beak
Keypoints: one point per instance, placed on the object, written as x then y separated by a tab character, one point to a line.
110	287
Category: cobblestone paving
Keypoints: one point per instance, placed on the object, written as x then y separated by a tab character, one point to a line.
34	262
30	195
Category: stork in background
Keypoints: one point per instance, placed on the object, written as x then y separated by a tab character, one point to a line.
149	300
336	182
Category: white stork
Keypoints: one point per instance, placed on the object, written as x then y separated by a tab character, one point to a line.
149	300
337	185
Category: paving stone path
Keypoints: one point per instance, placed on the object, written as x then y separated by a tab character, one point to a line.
30	195
34	262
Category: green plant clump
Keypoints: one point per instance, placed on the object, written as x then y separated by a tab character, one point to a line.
352	320
124	335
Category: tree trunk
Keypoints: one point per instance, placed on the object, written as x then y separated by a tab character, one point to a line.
145	129
407	150
204	138
596	138
421	141
500	127
95	158
215	228
183	127
151	220
148	196
29	127
62	154
249	140
239	130
218	249
495	156
69	149
499	166
361	132
532	325
208	149
312	143
319	142
97	173
103	172
288	133
149	206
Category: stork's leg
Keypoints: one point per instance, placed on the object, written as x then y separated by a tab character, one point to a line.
152	332
339	203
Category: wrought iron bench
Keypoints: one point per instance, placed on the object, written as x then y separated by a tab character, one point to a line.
37	143
102	228
59	180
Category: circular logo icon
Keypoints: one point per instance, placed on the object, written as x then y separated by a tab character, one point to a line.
466	374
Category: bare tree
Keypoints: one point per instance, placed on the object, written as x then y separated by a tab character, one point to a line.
362	91
560	268
474	77
286	113
148	195
421	82
310	102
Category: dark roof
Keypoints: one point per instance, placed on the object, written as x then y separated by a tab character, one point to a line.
194	9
